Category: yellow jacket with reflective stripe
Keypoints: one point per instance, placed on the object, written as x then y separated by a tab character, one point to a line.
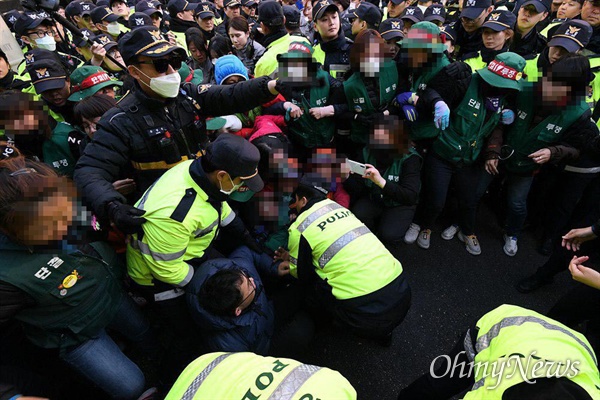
476	62
267	64
532	73
593	94
510	333
344	252
180	39
249	376
180	225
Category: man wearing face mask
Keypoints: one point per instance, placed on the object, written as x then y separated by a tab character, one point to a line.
156	126
37	32
105	21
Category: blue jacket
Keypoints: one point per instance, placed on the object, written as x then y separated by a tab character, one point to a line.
252	330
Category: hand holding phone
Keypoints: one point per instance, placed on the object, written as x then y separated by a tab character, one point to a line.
356	167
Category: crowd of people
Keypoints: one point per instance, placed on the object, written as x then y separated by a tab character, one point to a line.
190	190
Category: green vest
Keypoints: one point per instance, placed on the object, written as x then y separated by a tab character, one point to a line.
517	344
76	295
391	174
345	253
525	139
532	73
250	376
311	132
463	140
57	152
476	62
358	98
425	128
593	94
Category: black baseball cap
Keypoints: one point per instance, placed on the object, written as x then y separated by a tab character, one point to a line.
102	3
292	16
321	7
413	14
572	35
237	156
449	32
391	28
38	55
369	13
473	8
146	41
79	8
139	19
106	41
540	5
435	12
204	10
175	6
396	2
47	75
148	7
500	20
248	3
10	18
231	3
270	13
29	21
100	14
87	34
314	182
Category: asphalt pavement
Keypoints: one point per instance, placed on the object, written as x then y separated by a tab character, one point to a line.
451	290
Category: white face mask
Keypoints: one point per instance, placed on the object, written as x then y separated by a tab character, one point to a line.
233	188
165	86
371	66
113	29
46	43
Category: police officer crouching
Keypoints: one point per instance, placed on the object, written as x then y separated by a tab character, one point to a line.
349	273
155	126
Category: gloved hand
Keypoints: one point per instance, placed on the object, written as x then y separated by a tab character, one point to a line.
365	120
127	218
410	113
458	70
404	98
441	115
508	117
251	243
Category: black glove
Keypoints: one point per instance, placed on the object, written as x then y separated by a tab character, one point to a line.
365	120
127	218
459	70
251	243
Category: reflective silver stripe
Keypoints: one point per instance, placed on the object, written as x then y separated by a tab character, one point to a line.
293	260
340	243
145	196
227	220
188	277
198	380
169	294
145	249
317	214
294	381
468	344
580	170
202	232
484	341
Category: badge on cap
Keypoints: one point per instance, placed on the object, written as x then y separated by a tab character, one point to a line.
139	21
42	73
494	16
70	280
573	31
29	58
396	25
12	19
155	34
203	88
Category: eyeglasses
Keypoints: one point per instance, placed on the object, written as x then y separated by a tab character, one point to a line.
42	33
161	65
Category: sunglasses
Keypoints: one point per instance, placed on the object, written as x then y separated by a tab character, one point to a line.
161	65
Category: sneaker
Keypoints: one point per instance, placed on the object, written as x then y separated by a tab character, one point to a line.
471	243
449	232
510	245
424	238
412	233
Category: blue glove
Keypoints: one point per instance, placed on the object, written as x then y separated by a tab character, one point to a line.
404	98
441	115
508	117
410	113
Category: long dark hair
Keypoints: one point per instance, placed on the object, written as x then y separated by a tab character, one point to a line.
92	107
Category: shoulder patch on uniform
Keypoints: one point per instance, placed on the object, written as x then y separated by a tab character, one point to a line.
184	206
203	88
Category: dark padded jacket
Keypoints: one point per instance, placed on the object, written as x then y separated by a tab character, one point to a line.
128	141
251	330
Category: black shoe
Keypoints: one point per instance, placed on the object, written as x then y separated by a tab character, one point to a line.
532	283
546	247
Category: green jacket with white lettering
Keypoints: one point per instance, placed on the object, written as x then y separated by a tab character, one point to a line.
76	295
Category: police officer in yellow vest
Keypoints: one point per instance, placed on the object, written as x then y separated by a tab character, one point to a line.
570	37
348	272
497	33
513	353
250	376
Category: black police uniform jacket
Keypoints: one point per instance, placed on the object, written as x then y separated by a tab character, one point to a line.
143	137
